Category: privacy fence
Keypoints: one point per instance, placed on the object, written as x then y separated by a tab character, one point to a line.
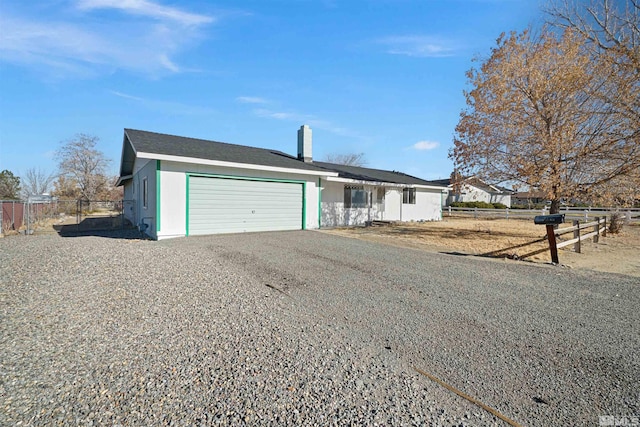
63	216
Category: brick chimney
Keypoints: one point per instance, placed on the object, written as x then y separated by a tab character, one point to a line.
304	144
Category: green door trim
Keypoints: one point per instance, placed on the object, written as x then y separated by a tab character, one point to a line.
319	201
247	178
158	192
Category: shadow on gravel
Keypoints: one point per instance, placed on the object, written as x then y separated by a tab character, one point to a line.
456	253
73	230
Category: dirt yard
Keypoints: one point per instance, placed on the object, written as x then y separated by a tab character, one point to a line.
501	238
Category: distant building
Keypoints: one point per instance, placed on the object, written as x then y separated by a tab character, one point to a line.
475	190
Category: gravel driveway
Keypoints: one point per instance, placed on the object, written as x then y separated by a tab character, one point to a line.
305	328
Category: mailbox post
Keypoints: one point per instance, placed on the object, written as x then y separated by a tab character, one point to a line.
551	221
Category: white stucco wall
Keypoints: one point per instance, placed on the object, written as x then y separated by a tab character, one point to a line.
335	214
173	193
393	204
144	168
505	199
427	207
473	194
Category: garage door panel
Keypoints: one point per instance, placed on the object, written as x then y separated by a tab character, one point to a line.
219	205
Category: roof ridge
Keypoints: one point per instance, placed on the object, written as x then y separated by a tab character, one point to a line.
274	151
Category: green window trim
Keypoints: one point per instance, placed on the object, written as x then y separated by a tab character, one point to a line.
247	178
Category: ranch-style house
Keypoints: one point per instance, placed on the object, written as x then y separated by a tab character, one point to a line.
178	186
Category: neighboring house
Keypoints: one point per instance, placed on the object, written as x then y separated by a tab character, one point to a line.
184	186
475	190
529	198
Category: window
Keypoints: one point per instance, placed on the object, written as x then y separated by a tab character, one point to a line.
355	197
380	195
145	193
409	196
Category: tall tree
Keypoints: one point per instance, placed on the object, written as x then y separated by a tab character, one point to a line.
534	117
80	162
611	30
36	182
350	159
65	188
9	185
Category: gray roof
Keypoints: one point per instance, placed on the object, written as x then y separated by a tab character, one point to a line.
443	182
136	141
159	143
476	182
376	175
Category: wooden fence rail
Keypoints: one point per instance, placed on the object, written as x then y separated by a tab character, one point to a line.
630	214
594	229
599	227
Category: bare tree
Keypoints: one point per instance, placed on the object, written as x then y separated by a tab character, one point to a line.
110	191
36	182
610	26
82	164
534	116
350	159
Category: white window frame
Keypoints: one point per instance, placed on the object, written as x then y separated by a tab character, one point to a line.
408	196
349	196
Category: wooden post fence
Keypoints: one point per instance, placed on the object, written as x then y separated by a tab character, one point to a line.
553	247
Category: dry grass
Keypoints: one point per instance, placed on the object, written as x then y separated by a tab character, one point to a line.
502	238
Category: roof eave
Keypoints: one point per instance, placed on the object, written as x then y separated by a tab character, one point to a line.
220	163
385	183
121	180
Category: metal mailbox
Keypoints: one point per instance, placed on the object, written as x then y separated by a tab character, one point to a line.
549	219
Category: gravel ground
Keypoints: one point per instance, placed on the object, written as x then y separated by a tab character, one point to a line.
304	328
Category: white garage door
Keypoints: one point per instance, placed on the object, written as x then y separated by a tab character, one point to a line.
221	205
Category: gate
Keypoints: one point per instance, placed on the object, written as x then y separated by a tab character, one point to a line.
82	216
41	215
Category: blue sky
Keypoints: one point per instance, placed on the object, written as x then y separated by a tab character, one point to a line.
382	77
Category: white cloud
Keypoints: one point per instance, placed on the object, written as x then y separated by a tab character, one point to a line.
425	145
71	44
279	115
170	107
308	119
126	96
251	100
418	46
149	9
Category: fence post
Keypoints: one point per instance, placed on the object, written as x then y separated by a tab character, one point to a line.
597	230
553	248
586	215
475	213
576	235
507	210
449	210
604	231
78	213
